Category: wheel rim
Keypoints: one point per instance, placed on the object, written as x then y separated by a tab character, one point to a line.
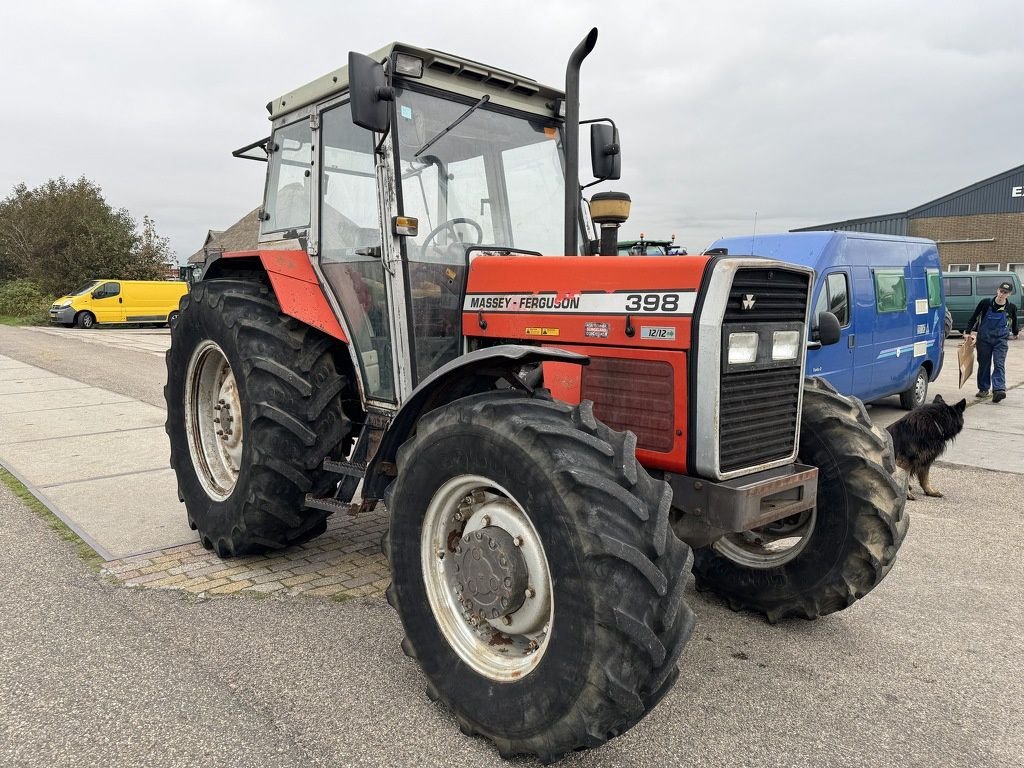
770	545
920	387
213	420
87	320
471	514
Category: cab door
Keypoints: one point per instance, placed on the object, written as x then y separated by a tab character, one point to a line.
107	303
835	362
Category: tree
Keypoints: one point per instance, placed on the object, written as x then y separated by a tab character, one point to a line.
63	233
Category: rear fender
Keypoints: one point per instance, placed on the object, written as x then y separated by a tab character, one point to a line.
293	281
469	374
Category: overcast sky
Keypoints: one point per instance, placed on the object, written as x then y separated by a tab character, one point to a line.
798	112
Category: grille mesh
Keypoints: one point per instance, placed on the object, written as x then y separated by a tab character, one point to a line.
759	417
778	296
633	394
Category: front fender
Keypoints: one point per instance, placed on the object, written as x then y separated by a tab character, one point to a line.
474	372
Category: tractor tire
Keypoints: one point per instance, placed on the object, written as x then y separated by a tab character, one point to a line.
254	406
824	560
500	490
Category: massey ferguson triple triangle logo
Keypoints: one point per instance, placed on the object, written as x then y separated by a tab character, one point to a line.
748	301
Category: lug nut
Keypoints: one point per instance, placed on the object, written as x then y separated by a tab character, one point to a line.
506	620
531	592
517	541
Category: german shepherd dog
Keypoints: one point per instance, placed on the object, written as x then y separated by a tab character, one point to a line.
920	437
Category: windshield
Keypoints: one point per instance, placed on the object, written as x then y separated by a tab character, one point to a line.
481	177
497	178
84	288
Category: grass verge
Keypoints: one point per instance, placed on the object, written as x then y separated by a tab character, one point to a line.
92	560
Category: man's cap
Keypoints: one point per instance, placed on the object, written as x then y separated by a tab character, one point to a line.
1008	287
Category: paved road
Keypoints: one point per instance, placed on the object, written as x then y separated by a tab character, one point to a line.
925	671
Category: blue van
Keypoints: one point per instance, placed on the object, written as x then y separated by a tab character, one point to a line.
886	292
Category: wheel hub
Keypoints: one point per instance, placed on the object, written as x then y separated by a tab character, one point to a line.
489	573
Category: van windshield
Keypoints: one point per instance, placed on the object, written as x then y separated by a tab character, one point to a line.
84	288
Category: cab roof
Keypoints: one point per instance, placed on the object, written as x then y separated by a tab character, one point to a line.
442	70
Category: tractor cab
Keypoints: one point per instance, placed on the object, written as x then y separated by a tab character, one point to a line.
393	173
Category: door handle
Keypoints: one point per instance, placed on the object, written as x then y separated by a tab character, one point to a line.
120	300
850	341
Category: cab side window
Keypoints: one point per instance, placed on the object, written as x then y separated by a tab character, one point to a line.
107	290
288	183
839	297
890	290
934	287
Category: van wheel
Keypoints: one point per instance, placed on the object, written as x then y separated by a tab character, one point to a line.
918	391
85	320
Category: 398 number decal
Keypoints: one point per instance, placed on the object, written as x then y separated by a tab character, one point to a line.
652	302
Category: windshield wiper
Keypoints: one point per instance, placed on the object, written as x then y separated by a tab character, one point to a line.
483	100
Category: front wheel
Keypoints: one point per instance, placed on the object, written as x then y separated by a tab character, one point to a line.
535	572
85	320
823	560
918	391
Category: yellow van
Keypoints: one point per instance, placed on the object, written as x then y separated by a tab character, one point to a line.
120	301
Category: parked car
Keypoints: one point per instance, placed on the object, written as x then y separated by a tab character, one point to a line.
886	292
119	301
965	289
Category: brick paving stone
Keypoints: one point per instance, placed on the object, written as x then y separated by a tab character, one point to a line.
227	589
297	580
167	581
252	573
187	568
359	581
145	579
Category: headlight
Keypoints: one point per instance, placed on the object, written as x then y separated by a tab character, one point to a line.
742	348
785	345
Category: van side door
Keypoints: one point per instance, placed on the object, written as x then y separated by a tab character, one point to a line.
894	361
107	303
835	362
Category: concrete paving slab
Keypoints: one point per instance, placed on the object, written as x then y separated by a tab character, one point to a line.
74	398
127	514
51	383
81	457
64	422
23	372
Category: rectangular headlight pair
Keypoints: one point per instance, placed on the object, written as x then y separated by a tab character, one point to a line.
743	346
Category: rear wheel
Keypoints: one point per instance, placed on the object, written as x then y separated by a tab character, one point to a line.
823	560
535	572
918	391
85	320
254	406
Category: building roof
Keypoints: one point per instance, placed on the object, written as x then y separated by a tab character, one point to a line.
243	235
991	195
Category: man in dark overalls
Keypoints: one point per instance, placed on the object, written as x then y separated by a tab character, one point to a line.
991	325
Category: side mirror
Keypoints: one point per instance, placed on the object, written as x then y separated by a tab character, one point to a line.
369	93
605	154
827	329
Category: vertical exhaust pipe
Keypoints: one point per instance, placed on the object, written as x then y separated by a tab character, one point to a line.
572	142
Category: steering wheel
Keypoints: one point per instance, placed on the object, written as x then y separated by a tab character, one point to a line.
450	225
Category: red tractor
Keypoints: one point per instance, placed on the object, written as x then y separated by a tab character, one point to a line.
558	435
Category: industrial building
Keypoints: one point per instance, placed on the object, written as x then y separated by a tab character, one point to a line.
977	228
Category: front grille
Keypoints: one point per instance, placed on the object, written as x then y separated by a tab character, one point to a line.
770	295
633	394
758	417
